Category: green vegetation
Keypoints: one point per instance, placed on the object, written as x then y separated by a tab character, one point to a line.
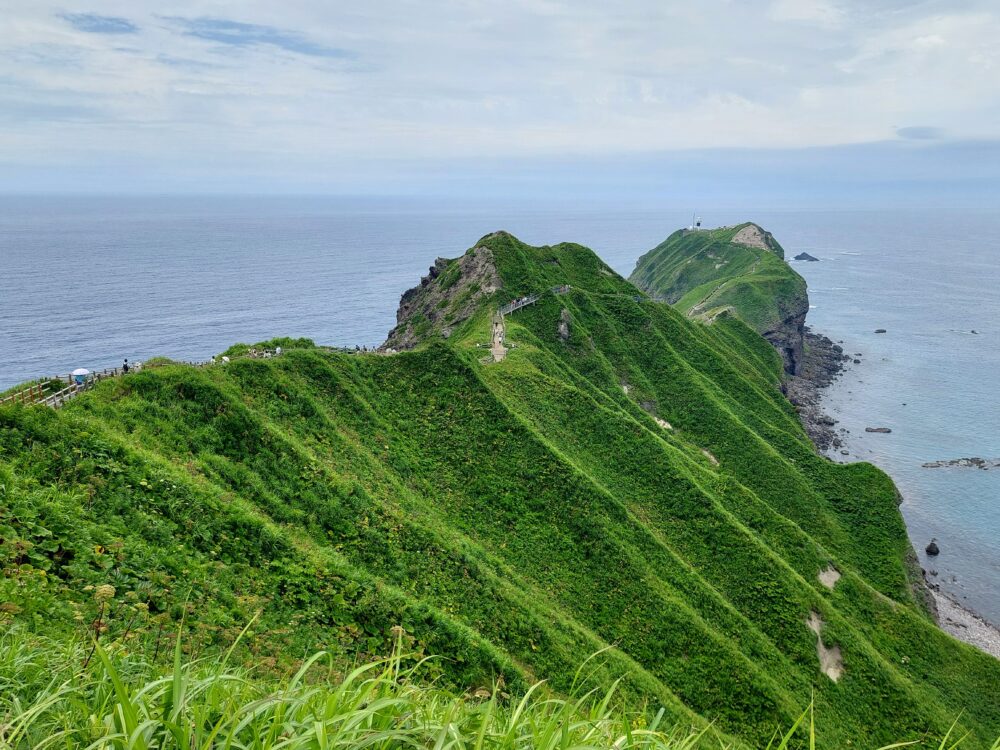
705	272
48	387
120	704
285	342
639	486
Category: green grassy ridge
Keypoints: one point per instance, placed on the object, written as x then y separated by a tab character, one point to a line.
718	421
406	560
514	518
577	421
99	488
703	272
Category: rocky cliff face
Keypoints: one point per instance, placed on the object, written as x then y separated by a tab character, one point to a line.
788	334
445	298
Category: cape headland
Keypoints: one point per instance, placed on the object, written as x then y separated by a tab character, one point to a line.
742	270
703	272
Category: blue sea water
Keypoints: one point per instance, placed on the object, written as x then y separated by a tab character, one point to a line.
90	281
930	280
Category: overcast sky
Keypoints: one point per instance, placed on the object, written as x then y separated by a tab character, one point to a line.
382	96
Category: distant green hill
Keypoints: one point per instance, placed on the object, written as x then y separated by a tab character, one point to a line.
624	479
742	269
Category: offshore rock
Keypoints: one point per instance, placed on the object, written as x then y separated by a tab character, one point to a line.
965	463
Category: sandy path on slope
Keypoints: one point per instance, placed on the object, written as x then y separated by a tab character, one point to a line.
830	661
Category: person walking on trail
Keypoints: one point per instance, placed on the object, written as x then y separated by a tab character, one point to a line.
125	366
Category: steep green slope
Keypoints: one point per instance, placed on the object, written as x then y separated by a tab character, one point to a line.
740	269
625	479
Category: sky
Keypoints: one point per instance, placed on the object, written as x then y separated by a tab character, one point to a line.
815	100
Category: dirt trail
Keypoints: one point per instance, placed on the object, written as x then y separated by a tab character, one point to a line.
497	348
705	301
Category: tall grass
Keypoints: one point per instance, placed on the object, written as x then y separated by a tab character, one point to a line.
123	705
47	700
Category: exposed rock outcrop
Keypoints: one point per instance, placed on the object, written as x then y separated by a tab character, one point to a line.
806	256
831	663
829	576
820	365
788	334
446	297
965	463
753	235
563	327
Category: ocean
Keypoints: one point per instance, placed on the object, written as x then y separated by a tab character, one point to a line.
87	282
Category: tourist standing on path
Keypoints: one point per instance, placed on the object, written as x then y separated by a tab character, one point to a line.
125	366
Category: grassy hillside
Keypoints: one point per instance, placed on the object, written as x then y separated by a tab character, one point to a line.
625	480
739	269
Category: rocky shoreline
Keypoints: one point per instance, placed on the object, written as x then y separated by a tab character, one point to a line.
822	362
964	624
964	463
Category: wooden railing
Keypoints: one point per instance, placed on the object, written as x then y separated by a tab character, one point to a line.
41	393
60	397
519	303
30	395
531	299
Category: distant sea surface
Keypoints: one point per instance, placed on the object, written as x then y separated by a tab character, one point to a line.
86	282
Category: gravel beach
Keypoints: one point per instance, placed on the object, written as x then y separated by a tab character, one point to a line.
966	625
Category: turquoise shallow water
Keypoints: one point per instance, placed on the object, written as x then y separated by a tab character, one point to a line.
86	282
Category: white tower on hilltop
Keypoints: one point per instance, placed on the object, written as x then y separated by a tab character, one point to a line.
695	222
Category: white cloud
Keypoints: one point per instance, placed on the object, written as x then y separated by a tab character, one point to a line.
319	84
817	12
